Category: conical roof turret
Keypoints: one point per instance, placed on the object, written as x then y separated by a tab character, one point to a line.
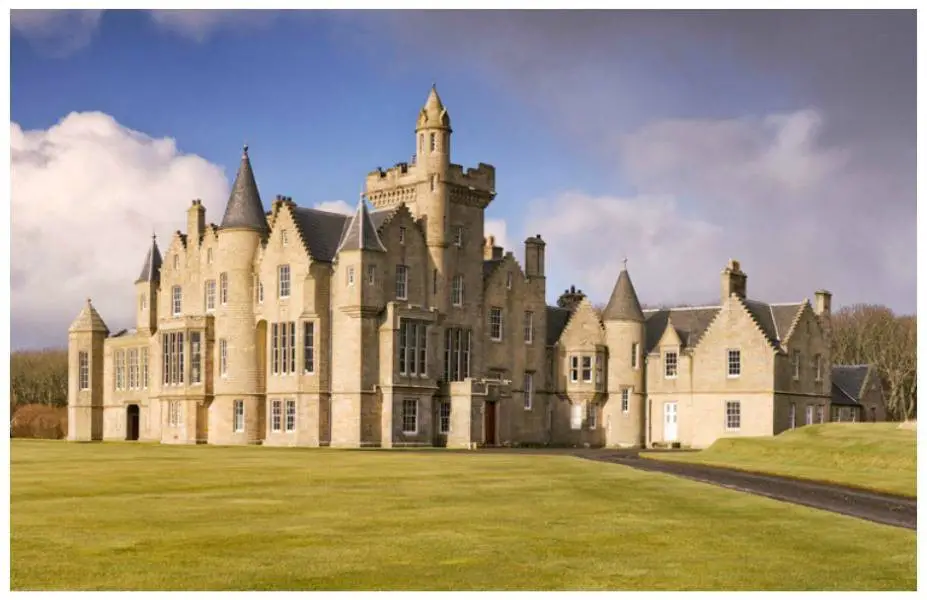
433	114
151	270
361	233
244	209
623	304
88	320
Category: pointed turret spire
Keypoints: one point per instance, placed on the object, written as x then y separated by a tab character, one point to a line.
88	320
361	234
433	114
151	270
623	305
244	209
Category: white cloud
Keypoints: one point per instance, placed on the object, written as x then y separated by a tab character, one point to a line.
336	206
800	215
56	32
86	195
199	25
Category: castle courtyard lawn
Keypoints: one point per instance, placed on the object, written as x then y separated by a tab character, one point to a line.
876	456
122	516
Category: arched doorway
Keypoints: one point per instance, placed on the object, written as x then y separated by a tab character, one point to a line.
132	420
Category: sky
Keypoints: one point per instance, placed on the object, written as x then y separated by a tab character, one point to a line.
677	140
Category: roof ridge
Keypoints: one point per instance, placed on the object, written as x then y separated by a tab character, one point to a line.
680	308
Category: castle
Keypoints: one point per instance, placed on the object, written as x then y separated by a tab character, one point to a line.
401	325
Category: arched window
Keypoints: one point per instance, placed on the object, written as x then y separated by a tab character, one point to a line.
433	142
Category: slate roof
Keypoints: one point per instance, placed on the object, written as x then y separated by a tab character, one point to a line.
774	319
847	383
244	208
490	265
88	319
321	230
556	322
361	233
151	270
623	304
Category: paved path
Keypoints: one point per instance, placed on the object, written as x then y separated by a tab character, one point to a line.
873	506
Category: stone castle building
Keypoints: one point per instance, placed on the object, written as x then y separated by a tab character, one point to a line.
402	325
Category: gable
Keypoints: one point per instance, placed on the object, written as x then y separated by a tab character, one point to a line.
583	328
557	319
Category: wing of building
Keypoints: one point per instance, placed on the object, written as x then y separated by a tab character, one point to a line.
401	325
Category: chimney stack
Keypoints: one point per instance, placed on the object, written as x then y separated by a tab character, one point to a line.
196	222
490	250
733	281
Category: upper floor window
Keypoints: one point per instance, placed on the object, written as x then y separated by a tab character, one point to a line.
223	357
732	415
120	360
508	281
587	368
402	235
599	378
209	256
413	347
458	236
308	347
83	370
635	355
733	363
818	367
434	142
350	275
574	368
529	327
284	238
210	295
283	348
223	288
196	358
283	281
176	300
143	359
529	390
172	365
176	261
371	274
457	290
796	364
457	354
495	323
143	302
670	364
402	282
260	292
433	182
625	399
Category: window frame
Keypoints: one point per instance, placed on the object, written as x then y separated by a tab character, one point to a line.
283	282
238	416
457	290
666	364
210	300
405	416
176	301
223	289
276	416
444	420
289	420
308	347
223	357
402	282
625	400
528	403
796	364
497	327
635	355
733	415
734	363
529	327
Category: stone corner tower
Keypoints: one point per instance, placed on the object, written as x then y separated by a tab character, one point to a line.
86	336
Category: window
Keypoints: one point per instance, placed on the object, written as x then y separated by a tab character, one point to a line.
308	347
132	368
176	262
223	288
457	290
175	414
371	274
508	281
591	415
284	238
809	415
820	413
172	365
599	379
402	235
432	182
670	364
796	364
176	300
421	143
275	416
457	354
732	416
144	367
574	369
792	415
495	324
283	348
238	416
209	256
587	368
142	304
625	400
635	355
576	416
210	295
196	361
550	369
291	415
444	418
733	363
458	236
412	347
410	416
283	281
260	292
402	282
350	275
223	357
529	390
120	360
818	367
434	281
433	143
529	327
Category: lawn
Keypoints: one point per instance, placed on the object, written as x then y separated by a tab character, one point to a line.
876	456
122	516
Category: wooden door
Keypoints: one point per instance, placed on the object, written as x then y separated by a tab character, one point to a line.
489	420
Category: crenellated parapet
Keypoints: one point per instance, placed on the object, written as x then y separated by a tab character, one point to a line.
480	179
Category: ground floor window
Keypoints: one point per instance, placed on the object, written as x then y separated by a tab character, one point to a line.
444	420
792	416
174	414
238	420
732	416
809	415
820	411
576	416
591	415
291	415
410	416
625	399
275	415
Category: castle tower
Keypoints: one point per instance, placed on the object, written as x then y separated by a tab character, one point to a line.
624	335
146	290
433	143
85	375
243	227
357	299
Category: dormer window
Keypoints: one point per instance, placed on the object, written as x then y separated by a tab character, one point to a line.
670	364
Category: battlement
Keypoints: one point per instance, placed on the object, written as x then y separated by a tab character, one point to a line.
401	174
481	179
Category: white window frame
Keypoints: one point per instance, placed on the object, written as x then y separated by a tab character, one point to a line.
176	300
732	415
283	281
625	400
574	368
210	295
119	358
308	347
407	416
350	276
508	280
276	416
529	390
223	289
529	327
143	368
457	290
576	416
586	368
413	348
290	416
402	282
734	365
667	372
809	414
458	236
496	324
793	415
635	355
238	416
132	369
818	367
196	358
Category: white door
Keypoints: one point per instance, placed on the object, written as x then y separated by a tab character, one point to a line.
669	422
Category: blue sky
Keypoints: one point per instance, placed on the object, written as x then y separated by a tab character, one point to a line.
675	140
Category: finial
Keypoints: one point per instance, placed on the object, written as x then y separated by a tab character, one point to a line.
244	150
88	301
624	264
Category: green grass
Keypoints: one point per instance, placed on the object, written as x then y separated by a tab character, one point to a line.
152	517
875	456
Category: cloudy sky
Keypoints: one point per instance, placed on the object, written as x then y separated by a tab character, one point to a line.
783	139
